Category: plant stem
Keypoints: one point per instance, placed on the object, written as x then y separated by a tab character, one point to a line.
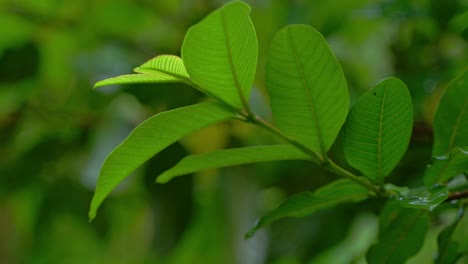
265	125
457	195
333	167
315	157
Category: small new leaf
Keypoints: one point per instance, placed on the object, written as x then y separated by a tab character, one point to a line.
161	69
153	77
168	64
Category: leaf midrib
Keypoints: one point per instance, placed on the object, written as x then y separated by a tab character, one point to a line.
309	95
379	141
231	63
457	125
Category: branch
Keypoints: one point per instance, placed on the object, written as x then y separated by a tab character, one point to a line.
457	196
315	157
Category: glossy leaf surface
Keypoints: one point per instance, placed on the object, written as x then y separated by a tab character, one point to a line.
231	157
444	168
378	129
150	137
307	203
308	91
424	198
220	53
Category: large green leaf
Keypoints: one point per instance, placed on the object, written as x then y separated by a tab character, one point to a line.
444	168
168	64
378	129
231	157
307	203
401	234
308	91
448	248
451	118
149	138
220	54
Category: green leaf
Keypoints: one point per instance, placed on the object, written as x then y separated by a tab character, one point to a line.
232	157
153	77
401	234
168	64
220	54
378	129
444	168
451	118
149	138
161	69
307	203
426	198
448	249
308	91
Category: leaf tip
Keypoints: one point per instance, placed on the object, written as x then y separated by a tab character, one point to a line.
249	234
91	215
162	179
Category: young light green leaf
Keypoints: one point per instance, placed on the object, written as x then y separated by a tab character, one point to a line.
153	77
161	69
378	129
308	91
231	157
307	203
426	198
149	138
401	234
168	64
220	54
451	118
443	168
448	248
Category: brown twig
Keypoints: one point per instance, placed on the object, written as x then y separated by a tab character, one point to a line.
457	195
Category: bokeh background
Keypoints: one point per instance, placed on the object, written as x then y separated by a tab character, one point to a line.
55	131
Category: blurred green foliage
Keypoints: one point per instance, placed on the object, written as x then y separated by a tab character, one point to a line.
55	131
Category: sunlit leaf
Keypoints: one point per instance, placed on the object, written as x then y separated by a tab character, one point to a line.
423	197
168	64
149	138
220	53
307	203
231	157
378	129
448	249
308	91
451	118
153	77
444	168
401	234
